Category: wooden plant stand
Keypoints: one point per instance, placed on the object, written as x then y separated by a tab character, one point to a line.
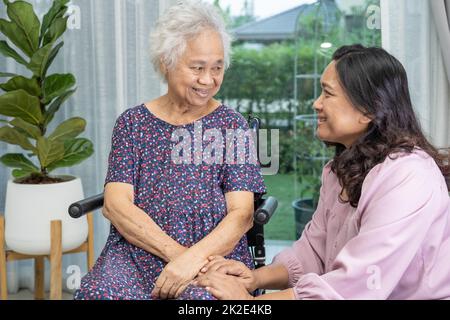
55	258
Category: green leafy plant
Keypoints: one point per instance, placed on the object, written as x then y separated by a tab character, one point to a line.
32	102
312	155
310	165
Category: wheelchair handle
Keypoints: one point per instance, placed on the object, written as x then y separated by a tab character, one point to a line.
78	209
254	124
82	207
265	211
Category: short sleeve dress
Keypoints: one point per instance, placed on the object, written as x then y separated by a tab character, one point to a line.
181	191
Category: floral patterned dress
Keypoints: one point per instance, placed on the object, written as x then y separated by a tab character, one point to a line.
185	199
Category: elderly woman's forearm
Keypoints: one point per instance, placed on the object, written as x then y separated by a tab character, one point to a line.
140	230
224	238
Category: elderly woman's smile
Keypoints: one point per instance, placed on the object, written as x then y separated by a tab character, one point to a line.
202	93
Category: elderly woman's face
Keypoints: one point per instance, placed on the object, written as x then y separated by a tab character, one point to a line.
338	120
197	77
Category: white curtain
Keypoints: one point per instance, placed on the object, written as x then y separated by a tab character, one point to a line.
418	39
107	51
441	15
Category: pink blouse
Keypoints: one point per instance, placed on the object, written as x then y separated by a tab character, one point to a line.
394	245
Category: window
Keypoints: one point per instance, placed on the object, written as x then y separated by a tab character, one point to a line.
277	64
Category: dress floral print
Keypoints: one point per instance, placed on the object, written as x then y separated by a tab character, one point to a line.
185	199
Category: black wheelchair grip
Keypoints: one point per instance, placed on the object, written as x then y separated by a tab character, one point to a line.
265	211
82	207
254	124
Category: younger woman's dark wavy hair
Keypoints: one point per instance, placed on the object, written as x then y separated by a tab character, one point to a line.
376	83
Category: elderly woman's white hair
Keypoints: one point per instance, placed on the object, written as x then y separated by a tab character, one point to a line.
180	23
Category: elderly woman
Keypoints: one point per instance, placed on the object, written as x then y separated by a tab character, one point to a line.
168	216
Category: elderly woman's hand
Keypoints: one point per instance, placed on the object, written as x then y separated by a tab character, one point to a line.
232	267
177	275
223	286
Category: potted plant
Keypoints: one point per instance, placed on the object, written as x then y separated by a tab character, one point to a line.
312	155
30	102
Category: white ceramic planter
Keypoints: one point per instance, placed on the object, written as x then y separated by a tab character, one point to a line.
29	210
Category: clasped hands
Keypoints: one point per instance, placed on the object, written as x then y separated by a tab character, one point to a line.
227	279
224	279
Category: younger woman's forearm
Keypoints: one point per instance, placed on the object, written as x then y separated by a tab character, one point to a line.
287	294
272	277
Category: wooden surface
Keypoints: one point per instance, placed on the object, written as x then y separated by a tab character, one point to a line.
3	287
90	242
56	260
39	277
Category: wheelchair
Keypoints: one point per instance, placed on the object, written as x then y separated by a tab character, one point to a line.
265	207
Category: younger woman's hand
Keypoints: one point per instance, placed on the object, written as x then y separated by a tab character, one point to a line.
234	268
222	286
